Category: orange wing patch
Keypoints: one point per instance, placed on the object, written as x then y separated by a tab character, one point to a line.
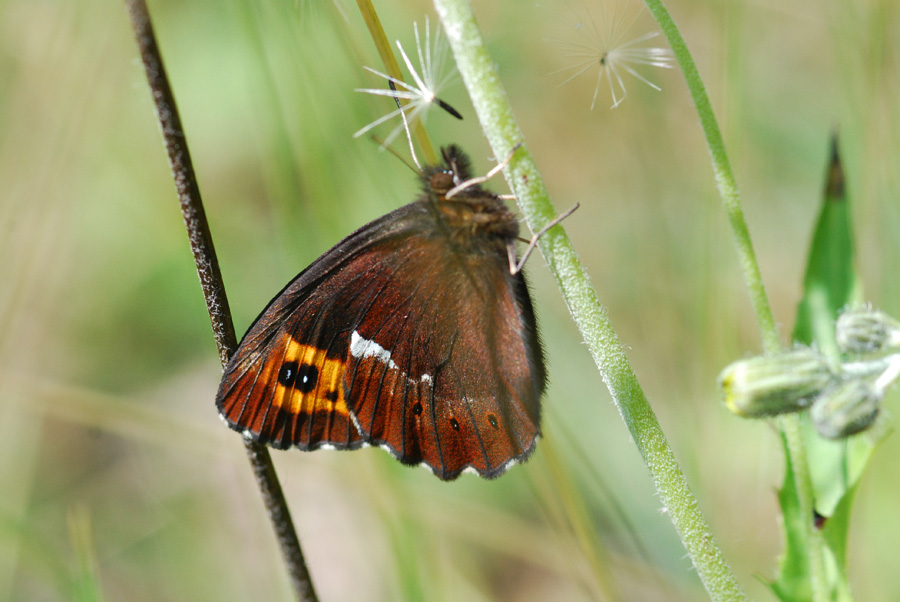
308	382
288	394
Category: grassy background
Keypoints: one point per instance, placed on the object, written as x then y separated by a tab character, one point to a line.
117	480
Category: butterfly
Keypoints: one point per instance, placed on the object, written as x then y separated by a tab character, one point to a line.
415	333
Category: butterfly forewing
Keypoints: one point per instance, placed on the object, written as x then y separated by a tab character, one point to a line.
284	385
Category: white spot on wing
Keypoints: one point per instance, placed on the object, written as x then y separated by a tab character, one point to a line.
356	423
361	348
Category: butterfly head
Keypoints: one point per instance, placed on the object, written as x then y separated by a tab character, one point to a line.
455	169
457	163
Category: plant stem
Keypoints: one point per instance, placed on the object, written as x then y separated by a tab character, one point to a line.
392	67
789	424
728	191
724	176
212	284
489	99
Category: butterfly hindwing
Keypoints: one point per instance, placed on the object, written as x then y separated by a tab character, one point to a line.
444	378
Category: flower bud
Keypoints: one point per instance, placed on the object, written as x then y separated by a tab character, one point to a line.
845	409
866	331
775	384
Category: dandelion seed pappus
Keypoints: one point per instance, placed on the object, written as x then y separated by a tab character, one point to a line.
602	44
429	79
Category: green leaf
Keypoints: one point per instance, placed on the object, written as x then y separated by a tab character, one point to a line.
792	584
830	283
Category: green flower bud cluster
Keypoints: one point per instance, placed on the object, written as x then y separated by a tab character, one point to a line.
843	398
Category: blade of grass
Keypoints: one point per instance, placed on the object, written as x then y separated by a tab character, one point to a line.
85	578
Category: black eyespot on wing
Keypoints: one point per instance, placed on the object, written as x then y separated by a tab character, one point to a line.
287	374
307	377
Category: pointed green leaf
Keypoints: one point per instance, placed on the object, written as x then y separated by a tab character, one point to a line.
830	283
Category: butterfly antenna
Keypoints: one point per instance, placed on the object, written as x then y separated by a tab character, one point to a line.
482	179
514	267
403	159
412	150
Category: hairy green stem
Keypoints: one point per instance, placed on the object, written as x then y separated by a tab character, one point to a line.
789	424
725	181
483	83
724	176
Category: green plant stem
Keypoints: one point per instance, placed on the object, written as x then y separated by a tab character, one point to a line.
724	176
789	424
489	99
725	181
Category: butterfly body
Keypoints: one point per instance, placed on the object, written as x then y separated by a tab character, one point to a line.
412	334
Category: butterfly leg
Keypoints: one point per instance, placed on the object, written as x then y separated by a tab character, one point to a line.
515	268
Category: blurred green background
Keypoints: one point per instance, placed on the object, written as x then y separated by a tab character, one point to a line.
117	479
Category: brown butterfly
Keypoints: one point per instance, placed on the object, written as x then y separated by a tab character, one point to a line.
415	333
